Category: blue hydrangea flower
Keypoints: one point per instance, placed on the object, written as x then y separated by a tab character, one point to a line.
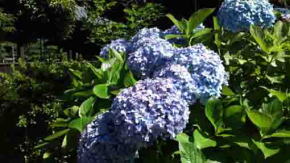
285	13
239	15
98	143
151	109
146	33
206	69
182	80
148	55
175	31
120	45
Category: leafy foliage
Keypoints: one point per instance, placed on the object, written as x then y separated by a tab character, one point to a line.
90	94
250	122
27	105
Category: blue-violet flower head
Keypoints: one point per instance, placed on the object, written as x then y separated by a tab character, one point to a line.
239	15
206	69
151	109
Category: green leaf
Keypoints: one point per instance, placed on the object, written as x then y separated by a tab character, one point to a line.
46	155
187	150
234	116
259	119
259	37
77	74
129	79
202	141
214	113
101	91
279	134
275	110
280	95
106	65
114	73
41	145
60	122
197	18
116	92
56	135
80	123
175	22
84	93
267	150
86	107
64	142
117	55
98	72
278	28
242	141
217	28
72	111
200	33
275	79
227	91
172	36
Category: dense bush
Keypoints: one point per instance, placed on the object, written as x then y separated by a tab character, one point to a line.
71	23
27	105
248	123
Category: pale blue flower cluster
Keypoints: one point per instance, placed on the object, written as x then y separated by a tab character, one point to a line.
151	109
99	143
206	69
139	115
156	107
239	15
146	33
148	55
182	80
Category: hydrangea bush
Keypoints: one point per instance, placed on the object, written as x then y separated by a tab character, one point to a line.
239	15
156	107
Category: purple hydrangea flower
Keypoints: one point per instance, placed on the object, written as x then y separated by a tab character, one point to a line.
239	15
148	55
206	69
120	45
182	80
146	33
151	109
139	115
98	143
